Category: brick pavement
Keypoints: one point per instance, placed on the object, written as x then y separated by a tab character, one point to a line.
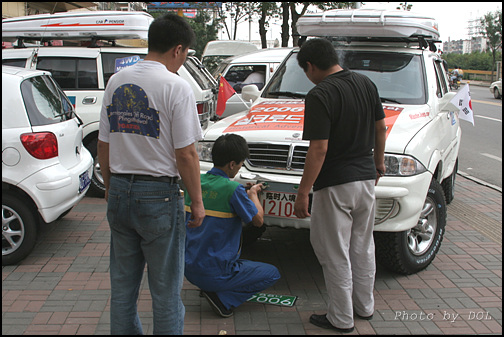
63	286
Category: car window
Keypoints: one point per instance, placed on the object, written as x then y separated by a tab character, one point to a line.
113	62
212	62
44	101
289	81
398	76
70	72
14	62
196	70
442	88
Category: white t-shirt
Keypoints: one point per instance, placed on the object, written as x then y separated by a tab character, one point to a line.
147	113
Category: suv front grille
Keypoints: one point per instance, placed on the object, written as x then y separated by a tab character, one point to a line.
277	156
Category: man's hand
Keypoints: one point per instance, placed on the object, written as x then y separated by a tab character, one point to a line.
301	206
197	215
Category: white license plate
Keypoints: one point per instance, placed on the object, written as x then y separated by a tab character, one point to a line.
278	204
84	181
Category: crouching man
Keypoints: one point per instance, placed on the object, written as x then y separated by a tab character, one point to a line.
212	258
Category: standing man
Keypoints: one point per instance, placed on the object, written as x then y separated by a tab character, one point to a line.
148	128
344	121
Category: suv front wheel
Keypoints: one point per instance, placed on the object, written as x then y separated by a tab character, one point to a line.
410	251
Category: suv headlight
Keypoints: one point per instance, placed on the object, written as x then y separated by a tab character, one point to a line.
205	151
400	166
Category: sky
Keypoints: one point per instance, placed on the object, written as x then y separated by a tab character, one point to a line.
452	18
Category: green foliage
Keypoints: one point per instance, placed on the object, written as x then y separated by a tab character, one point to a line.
473	61
204	30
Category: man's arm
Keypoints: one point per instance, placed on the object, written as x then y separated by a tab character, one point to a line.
189	169
103	159
253	194
379	150
313	164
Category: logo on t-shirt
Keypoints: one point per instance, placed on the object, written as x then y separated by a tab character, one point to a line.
129	112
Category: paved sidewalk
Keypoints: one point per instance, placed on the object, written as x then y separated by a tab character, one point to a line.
64	288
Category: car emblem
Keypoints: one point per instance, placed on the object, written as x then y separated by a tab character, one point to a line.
296	135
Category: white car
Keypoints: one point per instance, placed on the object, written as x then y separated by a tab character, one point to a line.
46	170
423	133
496	89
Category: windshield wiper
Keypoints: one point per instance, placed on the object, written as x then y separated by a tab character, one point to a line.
287	93
385	99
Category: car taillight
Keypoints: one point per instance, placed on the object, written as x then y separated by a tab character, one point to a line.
41	145
203	108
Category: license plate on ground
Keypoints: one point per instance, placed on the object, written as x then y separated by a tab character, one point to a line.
284	300
278	201
84	181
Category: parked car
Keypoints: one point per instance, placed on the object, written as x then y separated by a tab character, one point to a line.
46	170
216	51
236	70
423	131
496	88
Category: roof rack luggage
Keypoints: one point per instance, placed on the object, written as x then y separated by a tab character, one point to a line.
93	25
370	25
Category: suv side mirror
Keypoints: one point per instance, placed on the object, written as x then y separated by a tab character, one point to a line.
250	93
446	104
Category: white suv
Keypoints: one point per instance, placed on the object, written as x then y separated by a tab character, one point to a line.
423	138
45	168
84	72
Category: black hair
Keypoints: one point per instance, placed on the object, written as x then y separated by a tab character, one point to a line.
168	31
229	147
319	52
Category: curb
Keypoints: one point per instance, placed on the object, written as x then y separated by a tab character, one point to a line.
479	181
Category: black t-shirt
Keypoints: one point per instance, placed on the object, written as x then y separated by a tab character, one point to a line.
343	108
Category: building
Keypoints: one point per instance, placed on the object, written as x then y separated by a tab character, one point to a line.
478	43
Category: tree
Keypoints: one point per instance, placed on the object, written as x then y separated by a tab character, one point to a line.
205	30
238	11
492	29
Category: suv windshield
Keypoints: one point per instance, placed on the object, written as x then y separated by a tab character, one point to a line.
398	76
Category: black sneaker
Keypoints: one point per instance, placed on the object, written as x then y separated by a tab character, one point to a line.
216	304
323	322
367	318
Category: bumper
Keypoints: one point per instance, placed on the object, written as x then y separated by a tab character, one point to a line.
55	189
399	200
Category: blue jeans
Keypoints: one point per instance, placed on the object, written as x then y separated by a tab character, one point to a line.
147	226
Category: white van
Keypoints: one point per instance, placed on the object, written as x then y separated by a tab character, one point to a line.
216	51
83	72
236	71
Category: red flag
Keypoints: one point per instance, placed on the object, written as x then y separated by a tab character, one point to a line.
225	92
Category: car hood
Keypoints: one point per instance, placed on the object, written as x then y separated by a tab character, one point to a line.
273	120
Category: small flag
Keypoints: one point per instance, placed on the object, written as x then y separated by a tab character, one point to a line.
463	101
225	92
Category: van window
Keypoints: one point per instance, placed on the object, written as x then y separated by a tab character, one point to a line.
109	62
196	70
14	62
45	102
70	72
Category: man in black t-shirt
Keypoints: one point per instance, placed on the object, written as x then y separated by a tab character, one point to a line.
344	122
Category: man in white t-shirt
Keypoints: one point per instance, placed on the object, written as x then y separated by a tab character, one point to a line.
148	130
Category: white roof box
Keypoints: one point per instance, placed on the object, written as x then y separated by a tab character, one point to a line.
368	23
107	25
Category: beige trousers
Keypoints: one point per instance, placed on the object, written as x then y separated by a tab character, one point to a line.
342	220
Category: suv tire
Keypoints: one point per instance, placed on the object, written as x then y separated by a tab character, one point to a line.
97	188
413	250
19	229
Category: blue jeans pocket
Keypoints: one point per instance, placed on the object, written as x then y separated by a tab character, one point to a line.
155	214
